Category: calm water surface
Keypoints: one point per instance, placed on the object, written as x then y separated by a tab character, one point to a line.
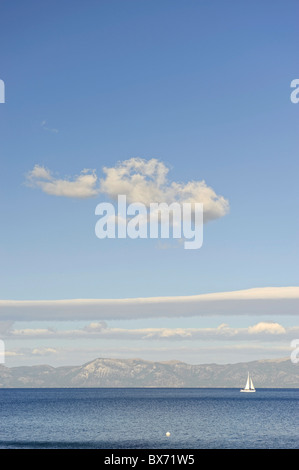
139	418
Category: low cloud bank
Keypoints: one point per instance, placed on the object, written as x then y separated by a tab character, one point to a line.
259	301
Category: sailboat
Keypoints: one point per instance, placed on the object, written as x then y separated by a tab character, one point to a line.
249	387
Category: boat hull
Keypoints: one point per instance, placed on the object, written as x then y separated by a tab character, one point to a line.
247	391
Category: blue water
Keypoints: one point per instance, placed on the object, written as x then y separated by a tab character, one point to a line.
140	418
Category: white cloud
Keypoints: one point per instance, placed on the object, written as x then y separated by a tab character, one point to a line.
259	301
146	181
32	332
39	173
43	351
141	181
13	354
270	328
262	331
96	327
81	186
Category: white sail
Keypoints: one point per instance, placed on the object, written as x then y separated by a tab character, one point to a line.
249	387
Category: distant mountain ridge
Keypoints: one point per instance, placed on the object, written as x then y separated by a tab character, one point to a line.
103	372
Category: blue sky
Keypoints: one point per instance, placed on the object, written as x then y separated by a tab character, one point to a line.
203	87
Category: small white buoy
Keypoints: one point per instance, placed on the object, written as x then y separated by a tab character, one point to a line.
168	434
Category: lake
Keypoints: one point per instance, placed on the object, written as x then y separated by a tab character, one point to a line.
139	418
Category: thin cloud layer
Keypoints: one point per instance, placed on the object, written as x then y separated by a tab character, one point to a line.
263	331
259	301
203	354
140	180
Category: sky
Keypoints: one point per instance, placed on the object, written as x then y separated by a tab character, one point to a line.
170	99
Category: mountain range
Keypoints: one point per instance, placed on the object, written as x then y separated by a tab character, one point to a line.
104	372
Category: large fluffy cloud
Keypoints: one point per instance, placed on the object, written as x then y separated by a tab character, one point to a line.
268	328
142	181
146	181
